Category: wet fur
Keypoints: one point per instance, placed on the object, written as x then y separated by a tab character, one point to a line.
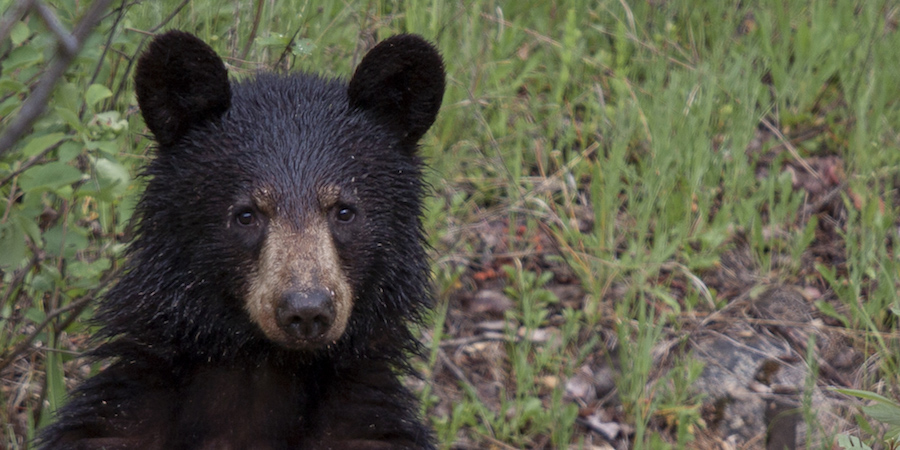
196	362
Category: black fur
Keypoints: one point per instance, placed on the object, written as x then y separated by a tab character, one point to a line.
190	368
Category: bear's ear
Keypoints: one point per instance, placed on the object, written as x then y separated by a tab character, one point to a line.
180	83
401	82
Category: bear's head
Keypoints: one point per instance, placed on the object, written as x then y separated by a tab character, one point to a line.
282	210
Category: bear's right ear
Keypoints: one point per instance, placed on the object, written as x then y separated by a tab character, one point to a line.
401	83
180	83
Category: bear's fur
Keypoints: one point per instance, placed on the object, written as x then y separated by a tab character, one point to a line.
278	262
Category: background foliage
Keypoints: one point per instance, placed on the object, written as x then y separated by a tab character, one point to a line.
624	148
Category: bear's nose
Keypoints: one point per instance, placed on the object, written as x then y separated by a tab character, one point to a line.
305	315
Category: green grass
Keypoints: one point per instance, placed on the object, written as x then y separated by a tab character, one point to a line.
623	147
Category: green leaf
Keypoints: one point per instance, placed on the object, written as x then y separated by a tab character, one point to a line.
35	315
68	96
41	143
863	423
50	176
9	105
28	226
69	150
108	147
95	93
91	271
884	413
12	246
19	33
847	442
829	310
111	120
67	245
303	47
113	177
273	39
56	384
43	282
22	57
71	118
8	85
866	395
892	434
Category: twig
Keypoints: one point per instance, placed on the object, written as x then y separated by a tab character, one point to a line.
253	30
31	161
484	337
76	307
287	48
791	149
133	60
812	208
70	45
19	275
170	16
109	39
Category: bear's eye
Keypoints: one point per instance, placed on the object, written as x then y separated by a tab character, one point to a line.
245	217
345	214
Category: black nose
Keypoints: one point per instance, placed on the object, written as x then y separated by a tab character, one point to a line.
306	315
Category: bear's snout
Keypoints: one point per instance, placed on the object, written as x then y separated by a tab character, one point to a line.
306	316
300	296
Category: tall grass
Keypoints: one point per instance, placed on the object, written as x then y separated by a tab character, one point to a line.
676	130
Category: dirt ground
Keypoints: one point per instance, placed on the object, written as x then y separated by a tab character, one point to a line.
755	350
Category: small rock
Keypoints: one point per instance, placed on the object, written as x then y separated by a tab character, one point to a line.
608	430
489	301
581	386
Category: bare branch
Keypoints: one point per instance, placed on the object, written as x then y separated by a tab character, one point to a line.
252	37
39	158
76	307
68	42
36	103
147	34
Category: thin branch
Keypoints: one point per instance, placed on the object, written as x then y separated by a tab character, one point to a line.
76	307
31	161
69	43
791	149
36	103
133	59
170	16
25	344
19	276
253	31
112	33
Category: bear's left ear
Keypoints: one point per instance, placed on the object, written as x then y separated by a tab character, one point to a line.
180	83
401	82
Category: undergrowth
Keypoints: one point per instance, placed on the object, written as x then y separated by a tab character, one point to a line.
628	149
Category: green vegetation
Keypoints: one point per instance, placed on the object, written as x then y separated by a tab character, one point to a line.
627	149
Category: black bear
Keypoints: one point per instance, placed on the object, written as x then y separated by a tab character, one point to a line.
278	263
